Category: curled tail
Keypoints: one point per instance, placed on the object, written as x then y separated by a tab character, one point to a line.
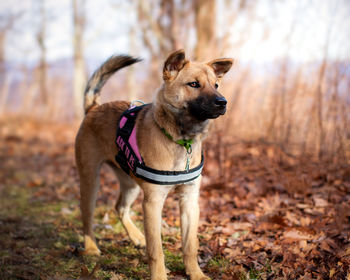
100	77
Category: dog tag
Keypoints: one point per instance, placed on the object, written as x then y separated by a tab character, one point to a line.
188	163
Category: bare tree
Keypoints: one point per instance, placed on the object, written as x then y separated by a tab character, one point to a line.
151	15
319	94
205	15
79	79
165	26
42	67
130	74
6	23
212	43
158	21
3	32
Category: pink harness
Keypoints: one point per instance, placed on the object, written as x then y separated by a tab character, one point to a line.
131	161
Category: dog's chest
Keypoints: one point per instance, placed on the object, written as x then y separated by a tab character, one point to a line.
180	159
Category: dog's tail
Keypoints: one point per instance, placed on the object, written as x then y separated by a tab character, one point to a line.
100	77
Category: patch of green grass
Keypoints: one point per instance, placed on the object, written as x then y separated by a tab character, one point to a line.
218	263
41	239
256	273
169	239
173	262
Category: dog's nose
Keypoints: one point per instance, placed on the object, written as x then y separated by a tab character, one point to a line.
220	101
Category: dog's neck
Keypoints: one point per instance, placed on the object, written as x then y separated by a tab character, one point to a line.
178	122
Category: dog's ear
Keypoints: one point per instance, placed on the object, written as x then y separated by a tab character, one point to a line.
174	63
221	66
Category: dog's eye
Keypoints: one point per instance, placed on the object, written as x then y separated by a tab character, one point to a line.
216	85
194	84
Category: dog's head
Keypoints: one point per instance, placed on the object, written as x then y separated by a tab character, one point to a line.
192	87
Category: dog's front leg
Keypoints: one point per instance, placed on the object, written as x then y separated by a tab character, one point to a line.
153	202
189	211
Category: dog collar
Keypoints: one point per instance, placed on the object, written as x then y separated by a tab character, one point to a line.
131	161
186	143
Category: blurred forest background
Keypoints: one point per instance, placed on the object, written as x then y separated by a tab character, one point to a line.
276	185
290	84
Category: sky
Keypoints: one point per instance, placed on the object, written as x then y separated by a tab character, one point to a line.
301	24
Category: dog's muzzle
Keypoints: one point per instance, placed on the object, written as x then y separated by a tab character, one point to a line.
207	107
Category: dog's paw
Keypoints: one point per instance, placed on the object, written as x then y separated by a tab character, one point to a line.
138	239
91	252
90	246
199	276
139	243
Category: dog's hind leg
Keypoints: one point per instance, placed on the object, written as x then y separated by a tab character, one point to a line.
89	173
129	191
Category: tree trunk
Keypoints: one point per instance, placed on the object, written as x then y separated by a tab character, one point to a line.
2	55
130	74
42	68
5	80
205	20
79	77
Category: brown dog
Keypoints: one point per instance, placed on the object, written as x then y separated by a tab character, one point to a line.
182	110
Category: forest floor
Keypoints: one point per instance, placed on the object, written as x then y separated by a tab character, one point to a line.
261	217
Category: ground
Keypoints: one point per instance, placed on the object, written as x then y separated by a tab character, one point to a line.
264	214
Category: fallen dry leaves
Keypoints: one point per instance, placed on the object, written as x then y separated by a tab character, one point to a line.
266	218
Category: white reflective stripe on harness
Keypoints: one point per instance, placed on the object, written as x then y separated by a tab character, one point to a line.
171	179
